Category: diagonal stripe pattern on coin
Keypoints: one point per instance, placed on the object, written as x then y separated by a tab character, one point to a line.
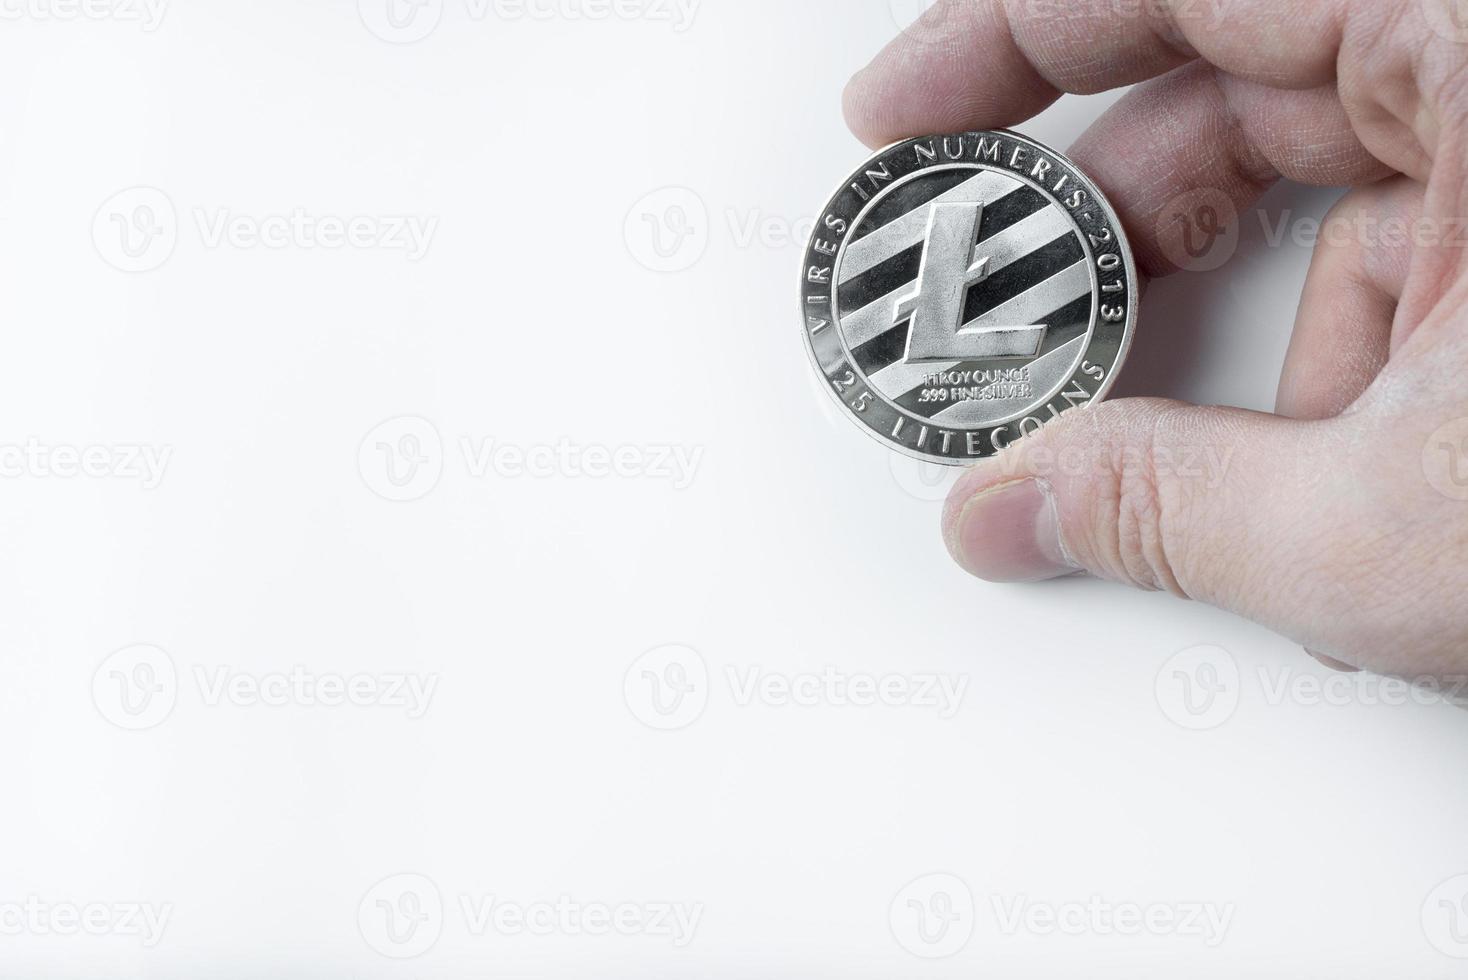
959	291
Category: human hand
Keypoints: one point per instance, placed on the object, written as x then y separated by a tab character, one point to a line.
1342	521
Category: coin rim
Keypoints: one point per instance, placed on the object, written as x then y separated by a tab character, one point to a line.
1123	349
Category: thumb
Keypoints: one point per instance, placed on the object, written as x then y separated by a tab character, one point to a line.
1203	502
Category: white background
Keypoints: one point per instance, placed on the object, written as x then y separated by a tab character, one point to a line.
1076	768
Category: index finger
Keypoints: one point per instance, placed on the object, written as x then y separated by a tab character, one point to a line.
981	64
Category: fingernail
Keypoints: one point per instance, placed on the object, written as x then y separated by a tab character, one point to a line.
1333	663
1008	533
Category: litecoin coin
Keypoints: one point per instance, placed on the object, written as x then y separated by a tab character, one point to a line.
959	292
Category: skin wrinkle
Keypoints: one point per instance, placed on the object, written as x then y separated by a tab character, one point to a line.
1370	62
1435	272
1167	114
1336	532
1173	427
1085	64
1260	57
1248	156
1333	358
1288	130
1154	515
1166	31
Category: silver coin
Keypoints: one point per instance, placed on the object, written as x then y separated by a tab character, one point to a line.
960	291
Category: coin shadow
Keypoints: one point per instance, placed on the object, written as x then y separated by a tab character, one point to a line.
1219	337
